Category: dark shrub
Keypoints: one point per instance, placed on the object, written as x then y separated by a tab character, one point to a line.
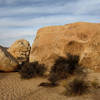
64	67
73	63
59	68
20	66
30	70
77	87
53	79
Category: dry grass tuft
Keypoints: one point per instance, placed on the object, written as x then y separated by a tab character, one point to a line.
77	87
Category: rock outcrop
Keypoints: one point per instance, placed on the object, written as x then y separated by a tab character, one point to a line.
7	62
20	50
81	39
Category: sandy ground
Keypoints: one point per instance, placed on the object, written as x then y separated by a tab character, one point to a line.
12	87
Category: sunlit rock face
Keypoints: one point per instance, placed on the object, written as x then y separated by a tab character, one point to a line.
20	49
7	62
81	39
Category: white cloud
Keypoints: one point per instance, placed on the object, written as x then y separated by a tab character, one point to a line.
8	36
87	6
12	33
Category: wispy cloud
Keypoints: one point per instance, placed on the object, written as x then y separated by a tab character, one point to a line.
78	7
22	18
47	20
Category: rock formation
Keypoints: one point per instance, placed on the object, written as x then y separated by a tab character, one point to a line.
7	62
81	39
20	50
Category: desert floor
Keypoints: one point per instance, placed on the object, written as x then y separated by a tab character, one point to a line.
12	87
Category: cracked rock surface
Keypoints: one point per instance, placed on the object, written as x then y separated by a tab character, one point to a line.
20	49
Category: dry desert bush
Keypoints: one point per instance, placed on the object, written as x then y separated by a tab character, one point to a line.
29	70
65	67
77	87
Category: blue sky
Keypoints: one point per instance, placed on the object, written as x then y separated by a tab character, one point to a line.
22	18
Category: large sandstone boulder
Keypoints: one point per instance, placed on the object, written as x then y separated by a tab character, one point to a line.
81	39
20	50
7	62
